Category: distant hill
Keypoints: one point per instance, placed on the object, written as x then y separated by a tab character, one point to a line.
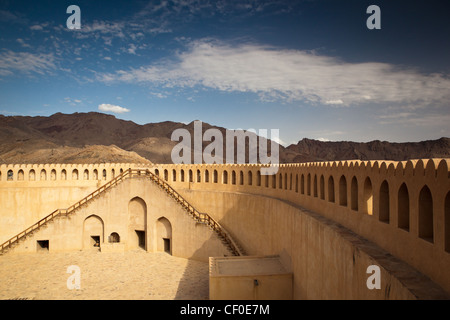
313	150
97	138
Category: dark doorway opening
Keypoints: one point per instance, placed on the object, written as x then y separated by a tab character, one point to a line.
141	238
43	245
95	241
167	245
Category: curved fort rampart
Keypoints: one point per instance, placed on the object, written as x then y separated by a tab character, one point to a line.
403	207
398	210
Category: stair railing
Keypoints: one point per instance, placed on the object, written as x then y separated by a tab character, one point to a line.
131	173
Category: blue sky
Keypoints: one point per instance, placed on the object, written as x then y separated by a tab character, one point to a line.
308	68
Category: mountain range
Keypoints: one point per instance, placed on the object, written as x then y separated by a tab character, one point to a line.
98	138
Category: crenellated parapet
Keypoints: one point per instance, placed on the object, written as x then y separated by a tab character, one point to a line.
402	206
63	172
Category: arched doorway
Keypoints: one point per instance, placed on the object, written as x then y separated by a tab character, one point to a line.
137	223
93	227
164	235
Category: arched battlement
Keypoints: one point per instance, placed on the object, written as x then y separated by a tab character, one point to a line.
58	169
397	205
409	168
420	168
368	197
443	168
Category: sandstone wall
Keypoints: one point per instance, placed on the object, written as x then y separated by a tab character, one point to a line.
30	192
116	211
320	214
403	207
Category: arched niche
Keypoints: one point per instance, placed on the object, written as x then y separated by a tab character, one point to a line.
164	235
93	229
137	223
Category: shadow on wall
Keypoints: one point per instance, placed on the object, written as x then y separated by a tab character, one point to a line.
194	283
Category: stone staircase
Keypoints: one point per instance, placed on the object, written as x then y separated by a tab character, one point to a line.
198	217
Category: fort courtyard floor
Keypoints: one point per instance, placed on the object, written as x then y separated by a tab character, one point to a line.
119	276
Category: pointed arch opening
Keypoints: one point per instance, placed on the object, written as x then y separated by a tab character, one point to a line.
316	194
308	185
384	207
302	184
32	175
75	174
403	207
426	215
93	229
164	235
354	194
368	197
447	223
137	223
343	191
331	189
322	187
43	175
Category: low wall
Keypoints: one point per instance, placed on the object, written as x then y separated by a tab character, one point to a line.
249	278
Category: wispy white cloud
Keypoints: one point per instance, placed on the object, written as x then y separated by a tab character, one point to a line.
428	119
335	102
72	102
132	49
289	75
104	27
36	27
13	17
112	108
39	26
25	62
23	43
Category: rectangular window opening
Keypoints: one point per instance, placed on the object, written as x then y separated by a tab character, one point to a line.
43	245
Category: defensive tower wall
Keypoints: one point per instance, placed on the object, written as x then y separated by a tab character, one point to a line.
339	215
403	207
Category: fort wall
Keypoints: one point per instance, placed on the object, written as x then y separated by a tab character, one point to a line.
403	208
30	192
115	217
